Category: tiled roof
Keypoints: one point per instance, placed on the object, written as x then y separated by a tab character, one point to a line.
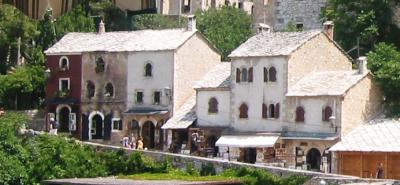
376	136
273	44
184	116
326	83
143	40
217	77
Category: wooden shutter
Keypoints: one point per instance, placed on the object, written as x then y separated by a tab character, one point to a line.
72	121
237	75
264	111
265	74
277	107
300	114
272	74
250	77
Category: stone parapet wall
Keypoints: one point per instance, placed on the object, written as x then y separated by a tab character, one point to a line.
180	161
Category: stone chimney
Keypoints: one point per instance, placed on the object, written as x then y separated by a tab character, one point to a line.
263	28
329	28
191	24
362	65
102	28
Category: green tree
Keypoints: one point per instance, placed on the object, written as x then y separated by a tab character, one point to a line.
13	25
156	22
226	28
114	18
370	21
384	63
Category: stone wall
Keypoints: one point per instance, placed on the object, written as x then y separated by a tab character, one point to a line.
180	161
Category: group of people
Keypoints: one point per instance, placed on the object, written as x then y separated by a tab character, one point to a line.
130	142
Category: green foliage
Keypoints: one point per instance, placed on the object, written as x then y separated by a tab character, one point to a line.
384	63
156	21
12	171
371	21
191	170
13	25
207	169
226	28
114	18
291	27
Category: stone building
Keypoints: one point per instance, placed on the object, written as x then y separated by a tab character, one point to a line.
304	14
109	84
289	97
178	7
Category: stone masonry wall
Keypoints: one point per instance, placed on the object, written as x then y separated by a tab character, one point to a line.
180	161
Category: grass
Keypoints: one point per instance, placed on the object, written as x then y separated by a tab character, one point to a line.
177	175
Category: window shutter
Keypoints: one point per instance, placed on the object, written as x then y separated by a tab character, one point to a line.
250	74
72	121
237	75
264	111
272	74
300	114
277	107
120	125
265	74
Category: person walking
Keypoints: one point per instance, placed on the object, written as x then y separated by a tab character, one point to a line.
53	126
132	141
140	143
379	171
125	141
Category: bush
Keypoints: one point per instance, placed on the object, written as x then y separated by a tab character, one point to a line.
12	171
207	169
157	22
191	170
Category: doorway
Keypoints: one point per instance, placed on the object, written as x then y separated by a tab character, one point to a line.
63	120
97	127
249	155
148	134
314	159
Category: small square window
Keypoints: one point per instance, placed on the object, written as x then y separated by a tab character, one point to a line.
116	124
64	84
139	97
157	97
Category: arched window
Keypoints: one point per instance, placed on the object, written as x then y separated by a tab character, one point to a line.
100	65
237	75
109	90
244	75
148	70
300	114
265	74
243	111
213	105
272	74
277	107
250	74
271	110
326	113
264	111
64	63
90	89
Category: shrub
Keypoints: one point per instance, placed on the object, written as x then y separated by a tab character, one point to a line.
207	169
191	170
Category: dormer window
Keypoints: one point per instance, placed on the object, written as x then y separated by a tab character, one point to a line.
109	90
64	63
148	70
100	65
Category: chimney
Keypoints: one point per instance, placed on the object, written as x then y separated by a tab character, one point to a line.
329	28
263	28
191	25
102	28
362	65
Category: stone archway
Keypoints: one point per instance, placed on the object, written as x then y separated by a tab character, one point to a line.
148	134
314	159
96	125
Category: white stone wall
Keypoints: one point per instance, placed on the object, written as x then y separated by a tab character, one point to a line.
220	119
257	92
192	61
162	76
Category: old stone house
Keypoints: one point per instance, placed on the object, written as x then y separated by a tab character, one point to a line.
303	14
109	84
179	7
287	98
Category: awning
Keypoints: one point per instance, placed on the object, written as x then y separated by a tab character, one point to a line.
246	141
309	136
146	111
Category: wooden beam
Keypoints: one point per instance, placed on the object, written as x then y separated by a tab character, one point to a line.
362	165
385	172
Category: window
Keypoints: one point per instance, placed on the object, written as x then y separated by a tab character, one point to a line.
157	97
300	114
250	74
326	113
64	84
299	26
237	75
64	63
244	74
148	70
213	105
109	90
116	124
90	89
271	110
243	111
139	97
277	107
264	111
240	5
272	74
146	4
100	65
265	74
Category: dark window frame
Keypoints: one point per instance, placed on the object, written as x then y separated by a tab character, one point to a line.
243	111
213	105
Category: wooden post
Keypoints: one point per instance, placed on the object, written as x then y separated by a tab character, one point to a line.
385	172
362	164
